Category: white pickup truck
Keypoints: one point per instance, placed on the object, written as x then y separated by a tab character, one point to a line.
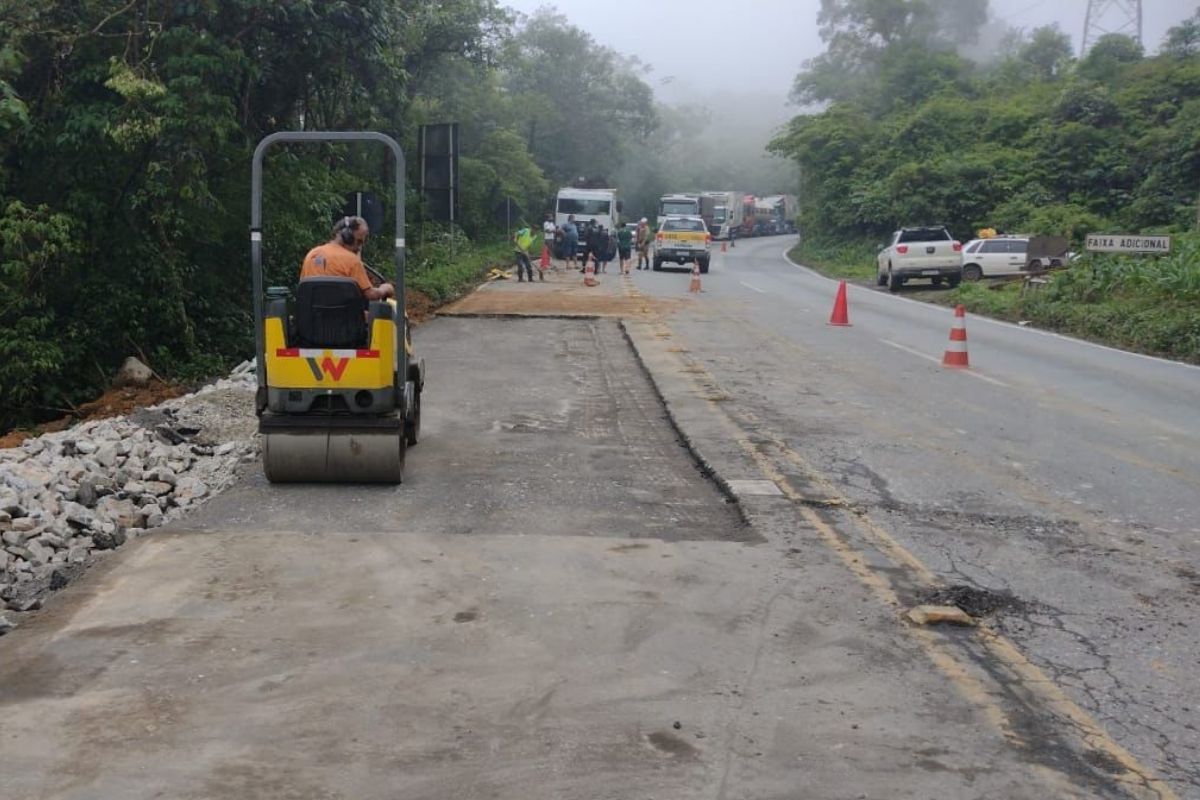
920	253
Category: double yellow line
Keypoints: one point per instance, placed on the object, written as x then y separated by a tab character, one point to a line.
1022	676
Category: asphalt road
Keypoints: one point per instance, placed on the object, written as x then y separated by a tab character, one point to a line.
1061	473
563	599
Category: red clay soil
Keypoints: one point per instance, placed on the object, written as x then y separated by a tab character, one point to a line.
113	403
419	306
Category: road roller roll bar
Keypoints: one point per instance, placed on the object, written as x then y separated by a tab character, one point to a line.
256	232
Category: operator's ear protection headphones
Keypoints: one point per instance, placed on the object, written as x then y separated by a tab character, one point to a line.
346	229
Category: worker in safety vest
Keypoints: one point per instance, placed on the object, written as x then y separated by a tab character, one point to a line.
522	241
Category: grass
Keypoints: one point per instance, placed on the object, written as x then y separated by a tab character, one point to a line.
1146	304
852	262
444	273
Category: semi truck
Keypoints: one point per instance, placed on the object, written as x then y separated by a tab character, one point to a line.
768	216
722	213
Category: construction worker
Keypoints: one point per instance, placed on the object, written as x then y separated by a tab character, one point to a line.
642	242
340	258
549	234
522	241
570	242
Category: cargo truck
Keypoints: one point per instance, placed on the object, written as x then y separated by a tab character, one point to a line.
722	213
683	205
589	207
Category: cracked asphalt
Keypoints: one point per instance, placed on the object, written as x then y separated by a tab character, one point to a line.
1061	474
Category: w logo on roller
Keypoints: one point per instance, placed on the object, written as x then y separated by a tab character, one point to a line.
328	366
956	351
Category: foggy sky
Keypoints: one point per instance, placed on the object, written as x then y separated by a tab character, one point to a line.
697	47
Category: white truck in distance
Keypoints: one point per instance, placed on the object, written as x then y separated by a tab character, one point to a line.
678	205
589	207
929	252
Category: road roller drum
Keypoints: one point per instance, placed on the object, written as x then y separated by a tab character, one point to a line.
334	456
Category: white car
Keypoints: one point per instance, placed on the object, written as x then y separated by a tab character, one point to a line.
927	252
987	258
1014	255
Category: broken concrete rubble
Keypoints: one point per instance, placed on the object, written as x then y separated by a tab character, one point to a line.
67	496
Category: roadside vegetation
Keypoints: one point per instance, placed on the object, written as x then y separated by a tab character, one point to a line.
1022	137
444	272
1146	304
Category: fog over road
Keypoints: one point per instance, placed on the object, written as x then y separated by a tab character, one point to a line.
660	545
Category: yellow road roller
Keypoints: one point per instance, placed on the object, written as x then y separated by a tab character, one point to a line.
339	395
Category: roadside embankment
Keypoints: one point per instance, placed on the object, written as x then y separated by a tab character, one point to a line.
1143	304
69	496
442	274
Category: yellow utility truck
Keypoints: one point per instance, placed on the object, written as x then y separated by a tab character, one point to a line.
682	239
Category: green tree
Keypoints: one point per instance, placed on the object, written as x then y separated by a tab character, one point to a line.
125	139
1109	56
1048	52
869	39
1183	40
584	106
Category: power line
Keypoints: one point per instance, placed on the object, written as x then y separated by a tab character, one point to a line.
1111	16
1016	16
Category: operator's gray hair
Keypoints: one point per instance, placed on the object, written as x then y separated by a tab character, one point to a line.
351	223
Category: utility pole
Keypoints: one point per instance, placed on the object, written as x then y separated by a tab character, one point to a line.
1111	16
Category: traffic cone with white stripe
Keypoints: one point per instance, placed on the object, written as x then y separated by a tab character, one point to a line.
694	286
589	273
956	352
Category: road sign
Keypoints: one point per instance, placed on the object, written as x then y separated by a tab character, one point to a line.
1124	243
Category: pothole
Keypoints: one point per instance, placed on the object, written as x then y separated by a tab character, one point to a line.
976	602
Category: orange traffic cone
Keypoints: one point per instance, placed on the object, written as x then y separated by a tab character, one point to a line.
589	273
545	258
841	312
694	286
956	352
723	247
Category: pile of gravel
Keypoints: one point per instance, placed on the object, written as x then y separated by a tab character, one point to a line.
67	497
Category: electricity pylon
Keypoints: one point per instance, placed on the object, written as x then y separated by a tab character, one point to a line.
1111	16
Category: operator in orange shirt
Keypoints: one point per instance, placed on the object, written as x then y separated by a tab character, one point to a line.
339	258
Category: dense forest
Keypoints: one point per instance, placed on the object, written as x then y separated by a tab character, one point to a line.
1021	136
126	128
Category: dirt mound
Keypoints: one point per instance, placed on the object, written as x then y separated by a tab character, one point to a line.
419	306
